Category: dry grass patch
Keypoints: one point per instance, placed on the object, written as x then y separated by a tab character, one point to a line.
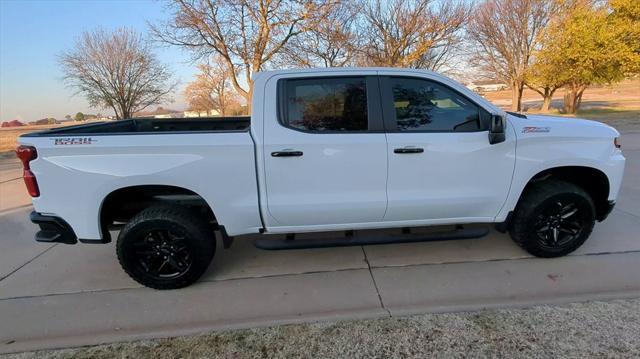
582	330
628	90
9	135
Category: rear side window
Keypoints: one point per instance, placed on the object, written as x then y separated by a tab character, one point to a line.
325	104
423	105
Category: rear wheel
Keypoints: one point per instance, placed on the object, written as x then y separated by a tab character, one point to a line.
553	219
165	247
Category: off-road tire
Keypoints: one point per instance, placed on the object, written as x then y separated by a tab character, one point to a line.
532	206
197	239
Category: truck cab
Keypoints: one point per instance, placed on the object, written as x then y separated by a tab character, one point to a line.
377	149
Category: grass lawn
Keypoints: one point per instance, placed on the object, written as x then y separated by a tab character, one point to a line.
625	91
621	118
9	135
612	115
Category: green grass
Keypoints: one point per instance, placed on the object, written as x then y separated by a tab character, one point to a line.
599	113
610	113
622	118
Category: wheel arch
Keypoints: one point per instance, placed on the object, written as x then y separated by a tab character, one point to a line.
119	205
593	180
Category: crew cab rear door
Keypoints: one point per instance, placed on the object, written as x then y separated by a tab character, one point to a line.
441	164
325	156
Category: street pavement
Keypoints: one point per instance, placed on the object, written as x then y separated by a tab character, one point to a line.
57	295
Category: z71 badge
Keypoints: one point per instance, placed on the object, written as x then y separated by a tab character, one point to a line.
533	129
73	141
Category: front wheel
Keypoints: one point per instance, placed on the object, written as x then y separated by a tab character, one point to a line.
165	247
552	219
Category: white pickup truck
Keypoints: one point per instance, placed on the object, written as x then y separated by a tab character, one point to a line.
323	150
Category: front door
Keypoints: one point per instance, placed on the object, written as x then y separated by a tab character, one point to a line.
441	165
325	160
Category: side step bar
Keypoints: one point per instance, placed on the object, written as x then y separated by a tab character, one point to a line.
368	239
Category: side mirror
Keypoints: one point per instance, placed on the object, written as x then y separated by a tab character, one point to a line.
496	132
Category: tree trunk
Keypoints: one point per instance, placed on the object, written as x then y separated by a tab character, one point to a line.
115	112
223	101
516	95
579	98
568	103
547	97
573	98
546	103
125	113
249	99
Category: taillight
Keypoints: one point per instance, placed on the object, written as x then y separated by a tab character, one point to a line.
27	154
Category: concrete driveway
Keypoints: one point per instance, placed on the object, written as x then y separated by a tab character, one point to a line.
59	295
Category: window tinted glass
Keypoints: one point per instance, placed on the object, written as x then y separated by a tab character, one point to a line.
423	105
338	104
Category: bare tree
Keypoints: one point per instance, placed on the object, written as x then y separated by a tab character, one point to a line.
211	89
117	71
408	33
246	34
332	42
506	34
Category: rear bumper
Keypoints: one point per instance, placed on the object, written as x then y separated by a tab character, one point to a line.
607	210
53	229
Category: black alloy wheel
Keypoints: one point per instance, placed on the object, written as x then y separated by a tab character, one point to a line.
552	218
166	247
163	254
560	223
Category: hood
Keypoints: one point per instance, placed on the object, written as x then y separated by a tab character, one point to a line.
564	126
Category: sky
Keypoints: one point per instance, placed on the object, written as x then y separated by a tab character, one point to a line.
34	33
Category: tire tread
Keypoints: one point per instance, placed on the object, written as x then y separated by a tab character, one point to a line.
531	199
198	229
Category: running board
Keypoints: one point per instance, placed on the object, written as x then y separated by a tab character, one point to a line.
368	239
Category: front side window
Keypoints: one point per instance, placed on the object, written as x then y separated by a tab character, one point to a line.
423	105
325	104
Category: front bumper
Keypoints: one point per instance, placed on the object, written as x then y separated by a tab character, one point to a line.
53	229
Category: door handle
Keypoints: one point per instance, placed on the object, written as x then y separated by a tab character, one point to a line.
286	153
408	150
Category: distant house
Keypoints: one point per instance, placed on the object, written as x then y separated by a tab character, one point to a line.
44	121
159	112
170	115
487	86
195	113
12	123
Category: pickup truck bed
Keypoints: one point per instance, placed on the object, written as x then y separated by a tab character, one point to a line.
152	125
207	153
